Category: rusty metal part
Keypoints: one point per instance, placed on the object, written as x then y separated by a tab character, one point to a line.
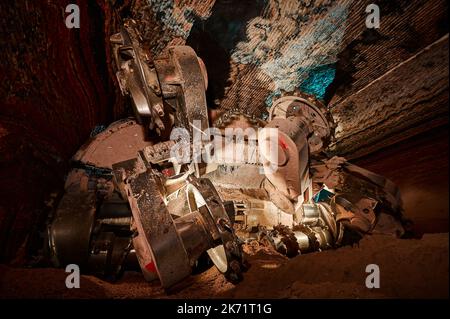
346	178
160	249
170	247
92	223
237	118
361	196
184	79
301	239
358	212
90	228
315	114
177	78
305	127
391	196
252	213
310	215
120	141
288	164
136	77
70	244
227	256
159	152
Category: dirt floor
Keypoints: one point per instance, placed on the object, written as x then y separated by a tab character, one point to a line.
413	268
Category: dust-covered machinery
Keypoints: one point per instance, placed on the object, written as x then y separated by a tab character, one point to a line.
125	203
194	192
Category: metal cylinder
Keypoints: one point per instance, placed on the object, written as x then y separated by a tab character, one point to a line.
310	215
195	236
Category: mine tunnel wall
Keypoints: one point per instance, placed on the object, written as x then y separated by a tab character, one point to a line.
58	86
